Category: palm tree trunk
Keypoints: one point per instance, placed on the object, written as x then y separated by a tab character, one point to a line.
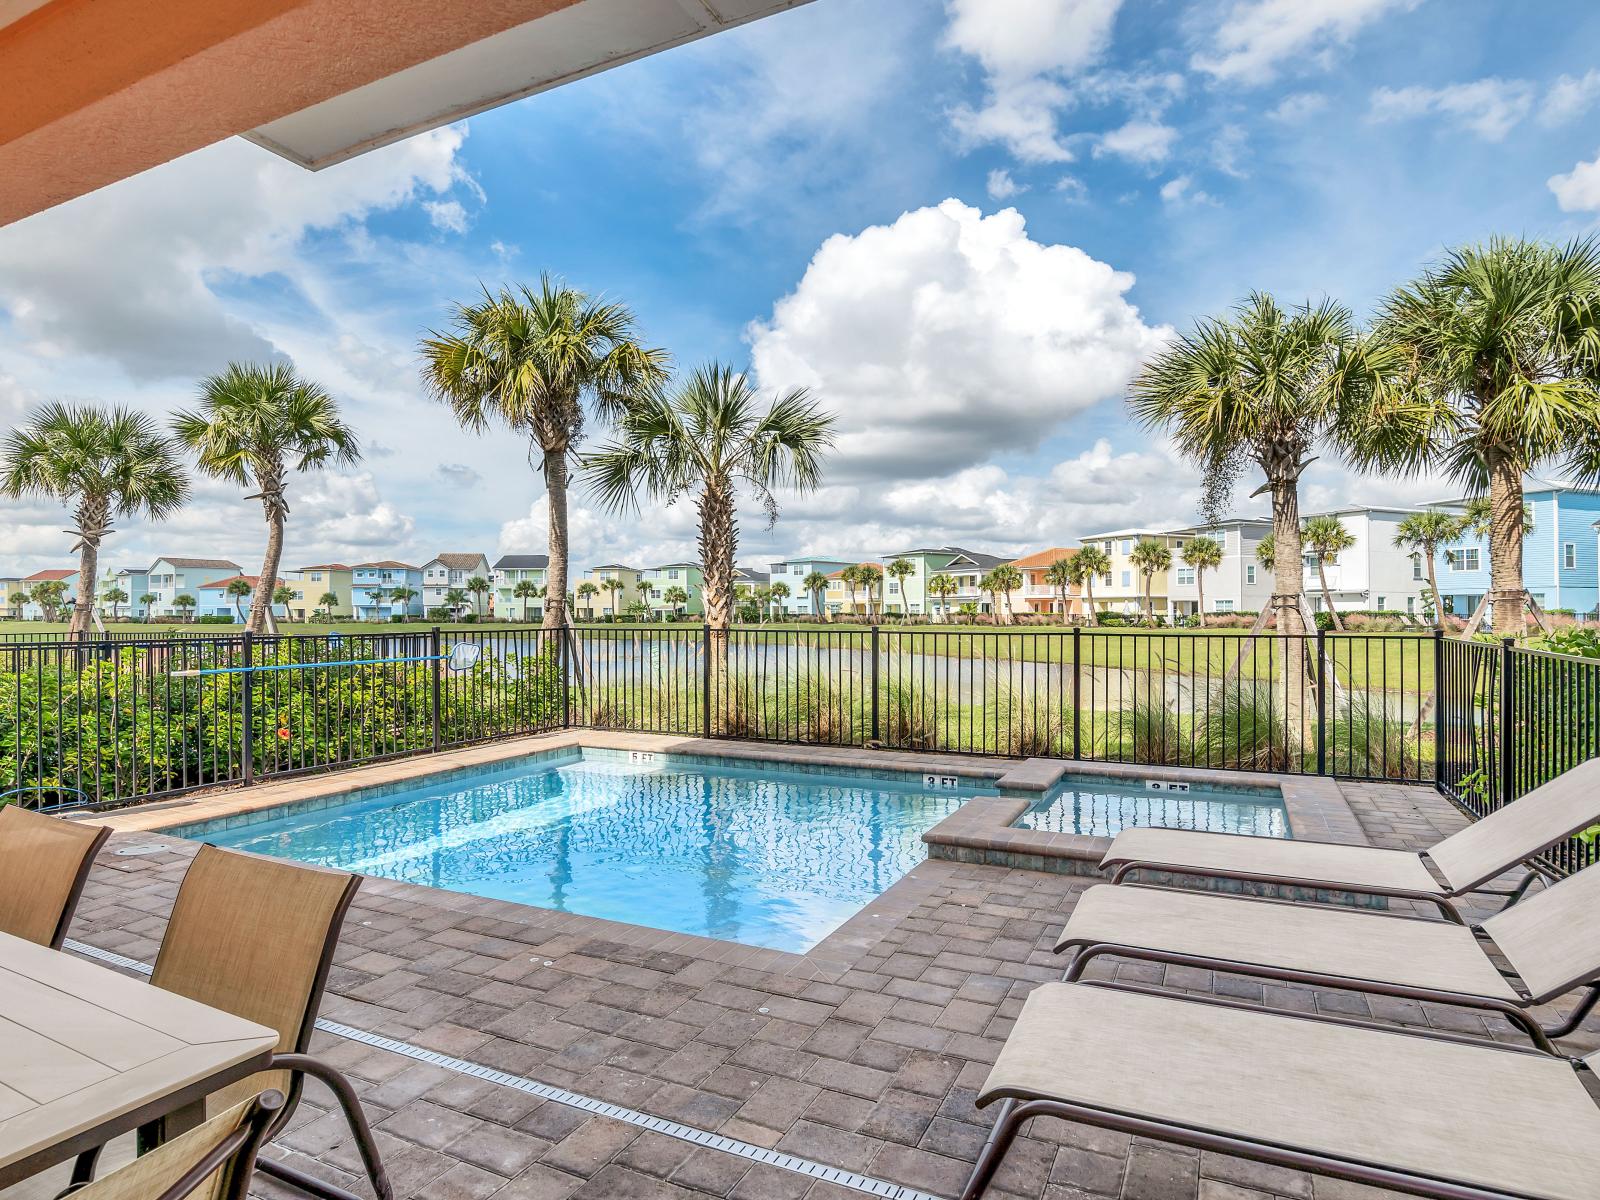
272	502
1327	596
1088	596
1149	604
718	541
1433	582
1505	543
555	482
1200	593
91	528
1286	564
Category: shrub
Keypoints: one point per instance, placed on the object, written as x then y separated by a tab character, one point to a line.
1245	725
1370	738
1584	643
215	619
1145	731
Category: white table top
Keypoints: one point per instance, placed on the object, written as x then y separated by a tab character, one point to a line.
85	1049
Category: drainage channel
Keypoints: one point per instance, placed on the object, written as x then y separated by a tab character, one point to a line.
865	1184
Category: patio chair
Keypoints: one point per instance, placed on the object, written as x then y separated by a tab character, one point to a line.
1461	863
213	1161
44	862
1420	1113
255	936
1551	940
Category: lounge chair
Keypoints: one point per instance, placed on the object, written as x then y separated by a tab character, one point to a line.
1551	940
214	1160
1461	863
255	936
1418	1113
44	862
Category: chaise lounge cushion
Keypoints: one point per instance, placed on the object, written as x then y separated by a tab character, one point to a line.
1320	862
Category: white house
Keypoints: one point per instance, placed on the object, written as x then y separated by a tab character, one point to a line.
1374	574
1240	584
169	578
446	571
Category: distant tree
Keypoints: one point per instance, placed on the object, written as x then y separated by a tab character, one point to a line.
1059	576
1088	565
403	596
478	588
1150	556
587	592
851	578
238	589
900	570
677	598
1203	554
1423	534
146	600
184	603
1325	538
104	463
328	601
614	586
114	596
870	576
779	592
943	586
283	596
525	591
1003	581
49	595
1267	552
19	602
816	586
455	600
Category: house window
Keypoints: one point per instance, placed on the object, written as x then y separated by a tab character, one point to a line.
1569	557
1222	606
1381	604
1127	545
1185	574
1249	573
1416	566
1105	581
1465	559
894	587
1127	579
1411	605
1106	547
1176	547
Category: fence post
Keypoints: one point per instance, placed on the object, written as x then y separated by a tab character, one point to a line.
877	730
705	680
1077	645
1438	710
247	700
1322	701
435	649
1508	766
565	634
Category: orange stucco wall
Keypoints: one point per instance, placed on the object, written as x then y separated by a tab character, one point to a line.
97	90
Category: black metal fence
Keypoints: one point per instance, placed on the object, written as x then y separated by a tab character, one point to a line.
115	721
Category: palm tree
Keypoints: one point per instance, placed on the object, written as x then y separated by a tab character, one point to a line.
870	577
1263	386
455	600
1423	533
1088	565
1059	575
943	586
48	595
615	587
184	603
114	596
535	361
327	602
478	588
105	464
1150	556
1325	537
779	592
851	577
525	590
816	586
900	570
239	589
145	601
645	589
705	438
677	598
254	425
403	596
283	596
586	592
1501	343
1004	580
1203	554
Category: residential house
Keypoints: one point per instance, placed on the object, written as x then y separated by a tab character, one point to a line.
683	575
13	595
310	584
511	570
911	597
844	599
34	611
372	587
135	581
213	600
1560	567
1240	584
447	572
1121	590
610	601
1037	594
170	577
793	571
1374	574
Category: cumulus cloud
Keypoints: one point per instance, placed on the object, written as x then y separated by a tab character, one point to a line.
1001	186
1297	107
458	475
1256	37
447	215
1180	191
1072	189
1144	142
1579	189
1490	108
949	336
1570	97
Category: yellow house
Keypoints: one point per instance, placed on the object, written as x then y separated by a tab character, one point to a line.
1121	590
618	591
310	584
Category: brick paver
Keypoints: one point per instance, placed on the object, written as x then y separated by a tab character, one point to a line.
872	1068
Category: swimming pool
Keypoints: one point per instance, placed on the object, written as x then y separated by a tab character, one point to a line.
768	854
1102	807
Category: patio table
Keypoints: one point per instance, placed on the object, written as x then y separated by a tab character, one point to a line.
87	1054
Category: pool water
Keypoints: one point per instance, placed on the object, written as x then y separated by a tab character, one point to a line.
1103	807
763	855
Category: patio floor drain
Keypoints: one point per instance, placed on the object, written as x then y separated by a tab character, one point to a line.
865	1184
141	848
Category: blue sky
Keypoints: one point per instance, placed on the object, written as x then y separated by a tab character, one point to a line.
962	223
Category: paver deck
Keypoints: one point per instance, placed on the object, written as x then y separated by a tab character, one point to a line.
870	1065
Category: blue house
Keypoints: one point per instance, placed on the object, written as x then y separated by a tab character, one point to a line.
1560	555
372	588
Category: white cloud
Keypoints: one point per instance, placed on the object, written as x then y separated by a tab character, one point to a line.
949	336
1072	189
1297	107
1001	186
1227	148
447	215
127	273
458	475
1257	37
1026	48
1145	142
1570	97
1180	191
1490	108
1579	189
